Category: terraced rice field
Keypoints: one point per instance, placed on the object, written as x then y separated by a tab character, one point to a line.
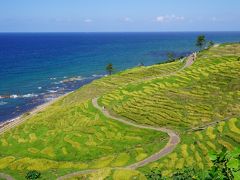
206	92
82	138
195	147
71	135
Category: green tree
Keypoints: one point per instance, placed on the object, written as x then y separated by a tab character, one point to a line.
109	68
201	41
33	175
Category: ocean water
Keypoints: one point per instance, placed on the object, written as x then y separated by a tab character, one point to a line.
37	67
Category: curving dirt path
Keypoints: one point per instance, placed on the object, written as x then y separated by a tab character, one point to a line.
174	139
5	176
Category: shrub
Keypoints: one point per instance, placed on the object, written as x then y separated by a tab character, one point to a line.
154	174
33	175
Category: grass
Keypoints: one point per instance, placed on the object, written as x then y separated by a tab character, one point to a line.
206	92
71	135
194	150
73	138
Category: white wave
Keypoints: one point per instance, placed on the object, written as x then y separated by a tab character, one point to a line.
53	78
29	95
39	87
52	91
2	103
97	75
14	96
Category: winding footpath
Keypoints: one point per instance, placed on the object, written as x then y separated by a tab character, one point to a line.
6	176
174	140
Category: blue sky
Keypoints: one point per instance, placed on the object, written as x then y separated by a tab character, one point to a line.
119	15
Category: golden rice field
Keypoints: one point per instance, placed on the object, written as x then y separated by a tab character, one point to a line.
75	138
206	92
71	135
196	145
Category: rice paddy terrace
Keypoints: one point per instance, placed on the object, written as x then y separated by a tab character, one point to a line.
201	103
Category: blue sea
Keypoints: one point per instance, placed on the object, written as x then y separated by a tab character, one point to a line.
37	67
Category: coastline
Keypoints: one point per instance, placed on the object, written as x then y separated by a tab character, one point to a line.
9	124
33	110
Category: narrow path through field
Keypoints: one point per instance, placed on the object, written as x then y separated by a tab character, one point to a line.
189	61
174	139
205	126
5	176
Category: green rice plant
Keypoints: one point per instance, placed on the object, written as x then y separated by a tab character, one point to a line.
32	137
49	151
199	135
121	160
141	156
127	175
233	127
211	145
225	144
6	161
220	127
64	151
74	144
102	162
210	133
184	151
172	162
180	163
33	150
4	142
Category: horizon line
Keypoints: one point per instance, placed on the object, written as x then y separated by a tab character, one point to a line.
115	31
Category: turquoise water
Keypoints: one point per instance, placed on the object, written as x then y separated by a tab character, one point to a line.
36	67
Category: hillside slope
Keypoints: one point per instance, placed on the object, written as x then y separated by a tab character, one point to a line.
200	102
71	135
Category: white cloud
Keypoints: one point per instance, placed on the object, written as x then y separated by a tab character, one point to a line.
214	19
127	19
88	20
168	18
160	19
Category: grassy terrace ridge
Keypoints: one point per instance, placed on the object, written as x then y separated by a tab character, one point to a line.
71	135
